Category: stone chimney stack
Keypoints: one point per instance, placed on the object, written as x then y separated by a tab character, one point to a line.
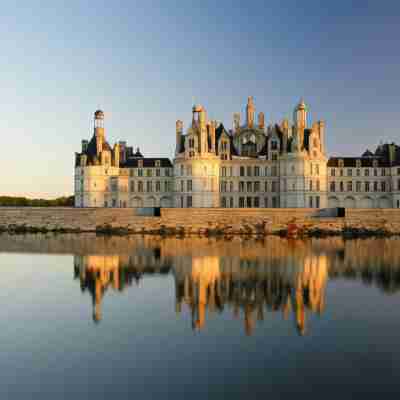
116	155
236	122
250	111
261	120
203	131
179	132
321	130
212	135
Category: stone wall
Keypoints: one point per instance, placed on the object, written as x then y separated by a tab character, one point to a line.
193	221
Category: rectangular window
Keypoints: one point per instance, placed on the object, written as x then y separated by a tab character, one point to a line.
274	171
367	186
333	172
158	186
317	202
266	186
189	201
349	172
189	185
341	172
358	172
223	172
274	157
266	202
149	173
383	186
317	169
383	172
256	202
132	186
182	188
182	170
256	171
140	172
140	186
274	186
375	172
248	202
310	202
358	186
349	186
366	172
375	186
241	171
248	186
256	186
241	202
223	202
274	202
166	186
231	202
158	172
167	172
332	187
149	186
249	171
241	186
231	186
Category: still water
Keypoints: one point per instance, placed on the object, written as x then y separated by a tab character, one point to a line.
146	317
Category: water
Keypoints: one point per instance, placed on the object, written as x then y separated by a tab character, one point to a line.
144	317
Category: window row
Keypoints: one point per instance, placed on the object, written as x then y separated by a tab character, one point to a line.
149	172
359	172
150	186
360	186
250	202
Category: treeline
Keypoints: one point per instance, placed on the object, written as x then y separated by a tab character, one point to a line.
10	201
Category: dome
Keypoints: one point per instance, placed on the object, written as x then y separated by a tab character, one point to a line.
99	114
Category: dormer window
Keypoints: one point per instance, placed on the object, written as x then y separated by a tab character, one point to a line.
158	163
358	163
140	163
341	163
375	163
274	145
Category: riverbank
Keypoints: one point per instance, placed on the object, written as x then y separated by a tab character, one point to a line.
201	221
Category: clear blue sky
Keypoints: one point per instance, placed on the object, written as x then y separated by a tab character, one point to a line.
144	62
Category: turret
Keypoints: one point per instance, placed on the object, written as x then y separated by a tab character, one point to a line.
321	129
203	131
99	130
300	122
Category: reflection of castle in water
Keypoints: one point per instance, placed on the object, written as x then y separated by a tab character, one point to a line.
248	284
245	278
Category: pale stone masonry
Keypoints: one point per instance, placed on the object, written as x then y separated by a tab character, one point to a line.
282	165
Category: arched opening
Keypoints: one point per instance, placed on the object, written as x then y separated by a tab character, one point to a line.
151	202
136	202
367	202
333	202
349	202
166	202
384	202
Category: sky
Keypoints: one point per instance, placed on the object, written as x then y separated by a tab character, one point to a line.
146	62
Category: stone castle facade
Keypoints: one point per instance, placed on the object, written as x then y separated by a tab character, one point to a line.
251	165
